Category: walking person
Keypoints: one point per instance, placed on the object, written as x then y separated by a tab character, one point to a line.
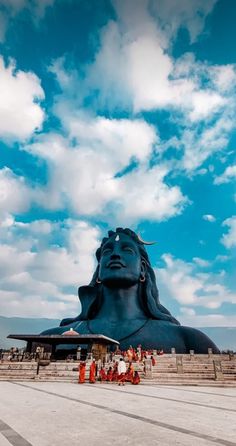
92	372
82	369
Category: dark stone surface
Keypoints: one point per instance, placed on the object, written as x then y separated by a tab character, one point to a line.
122	302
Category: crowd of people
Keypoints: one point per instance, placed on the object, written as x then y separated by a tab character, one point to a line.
121	371
116	374
137	354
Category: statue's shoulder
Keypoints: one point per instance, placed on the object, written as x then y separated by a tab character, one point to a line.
54	330
166	325
197	340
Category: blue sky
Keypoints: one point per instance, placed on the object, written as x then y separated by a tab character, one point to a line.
118	113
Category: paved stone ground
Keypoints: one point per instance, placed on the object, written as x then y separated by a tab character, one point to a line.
50	414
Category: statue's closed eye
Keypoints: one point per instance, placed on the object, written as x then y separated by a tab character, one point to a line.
106	251
128	249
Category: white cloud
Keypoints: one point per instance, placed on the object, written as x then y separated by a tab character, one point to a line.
96	171
204	103
133	69
229	239
224	77
199	143
228	175
40	278
209	217
122	139
201	262
207	320
149	195
222	258
183	282
20	112
185	14
15	196
187	311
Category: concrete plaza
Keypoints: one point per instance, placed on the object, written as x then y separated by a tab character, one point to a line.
52	413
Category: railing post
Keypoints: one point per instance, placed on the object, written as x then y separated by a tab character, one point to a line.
218	369
179	364
173	352
209	352
191	352
148	368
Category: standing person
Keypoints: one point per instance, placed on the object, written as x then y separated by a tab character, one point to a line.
130	353
121	372
115	372
153	361
92	372
82	369
38	352
139	352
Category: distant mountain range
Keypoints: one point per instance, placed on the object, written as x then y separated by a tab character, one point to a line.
224	337
20	325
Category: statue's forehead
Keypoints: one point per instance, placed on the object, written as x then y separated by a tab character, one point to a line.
120	238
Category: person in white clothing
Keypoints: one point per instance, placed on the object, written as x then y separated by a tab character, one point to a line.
121	372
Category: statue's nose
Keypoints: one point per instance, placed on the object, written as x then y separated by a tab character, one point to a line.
116	252
115	255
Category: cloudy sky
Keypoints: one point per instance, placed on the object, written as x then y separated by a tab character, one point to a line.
118	113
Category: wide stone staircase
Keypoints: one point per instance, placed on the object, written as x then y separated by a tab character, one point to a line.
194	370
213	370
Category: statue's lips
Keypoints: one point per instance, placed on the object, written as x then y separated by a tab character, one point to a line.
115	264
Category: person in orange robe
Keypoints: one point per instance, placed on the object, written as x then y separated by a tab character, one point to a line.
136	378
129	373
130	353
109	374
92	372
82	368
102	374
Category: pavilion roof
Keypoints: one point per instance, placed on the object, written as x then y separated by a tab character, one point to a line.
65	339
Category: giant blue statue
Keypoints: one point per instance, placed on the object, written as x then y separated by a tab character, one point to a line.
122	301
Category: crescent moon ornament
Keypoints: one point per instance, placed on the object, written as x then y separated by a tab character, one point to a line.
145	243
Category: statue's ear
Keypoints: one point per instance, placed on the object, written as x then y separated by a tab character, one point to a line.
143	268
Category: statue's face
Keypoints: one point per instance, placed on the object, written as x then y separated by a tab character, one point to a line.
120	262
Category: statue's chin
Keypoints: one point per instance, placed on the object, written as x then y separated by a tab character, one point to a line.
118	282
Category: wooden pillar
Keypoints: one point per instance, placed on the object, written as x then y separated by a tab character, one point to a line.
29	347
53	354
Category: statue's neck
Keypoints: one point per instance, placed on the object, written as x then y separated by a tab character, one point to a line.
121	304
